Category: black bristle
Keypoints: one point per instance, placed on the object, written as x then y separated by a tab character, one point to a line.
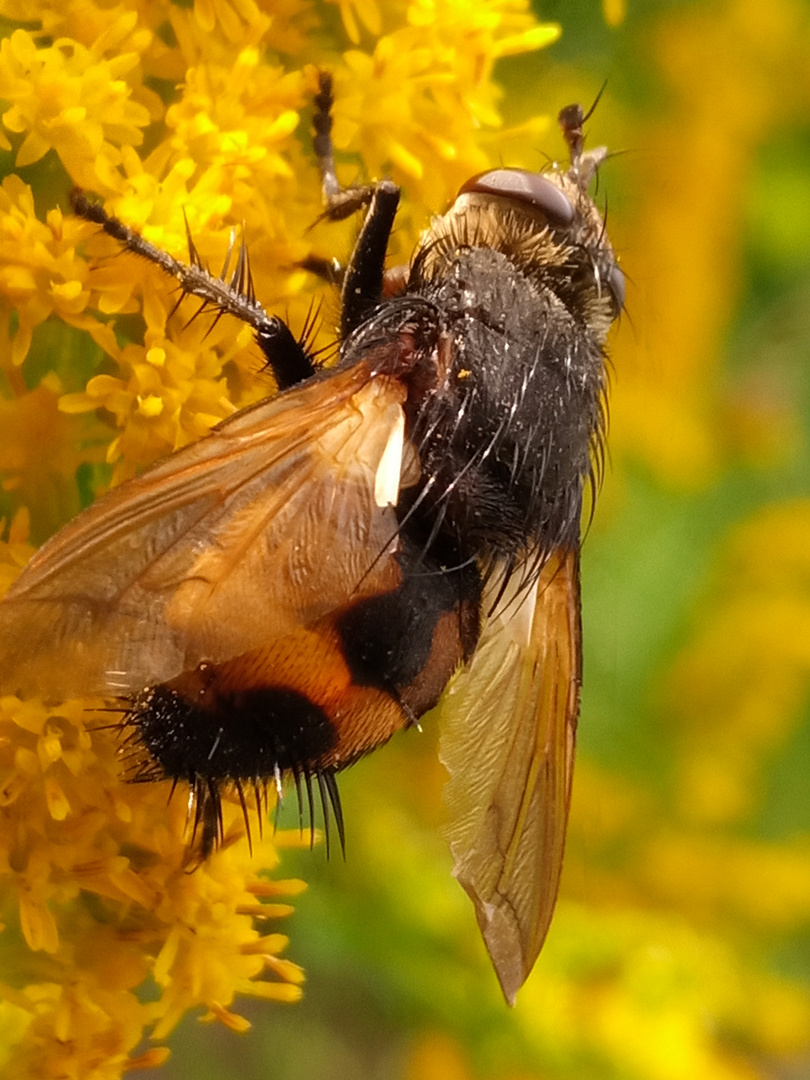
241	794
322	787
308	785
330	782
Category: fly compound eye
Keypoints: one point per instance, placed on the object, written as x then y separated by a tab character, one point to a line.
524	186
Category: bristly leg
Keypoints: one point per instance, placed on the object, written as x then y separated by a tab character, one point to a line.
338	202
287	356
363	278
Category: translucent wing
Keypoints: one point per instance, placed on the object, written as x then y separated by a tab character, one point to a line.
508	734
278	516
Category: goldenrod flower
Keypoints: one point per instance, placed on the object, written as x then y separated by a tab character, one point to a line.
172	114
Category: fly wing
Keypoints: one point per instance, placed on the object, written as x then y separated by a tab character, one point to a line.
281	514
508	734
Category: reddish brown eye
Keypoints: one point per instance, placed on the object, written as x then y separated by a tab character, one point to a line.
524	186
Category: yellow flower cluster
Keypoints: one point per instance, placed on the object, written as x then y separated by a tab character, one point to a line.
97	898
171	113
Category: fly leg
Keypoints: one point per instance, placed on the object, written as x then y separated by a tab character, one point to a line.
364	276
230	293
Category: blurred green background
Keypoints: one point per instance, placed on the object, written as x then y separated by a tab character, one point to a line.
681	943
